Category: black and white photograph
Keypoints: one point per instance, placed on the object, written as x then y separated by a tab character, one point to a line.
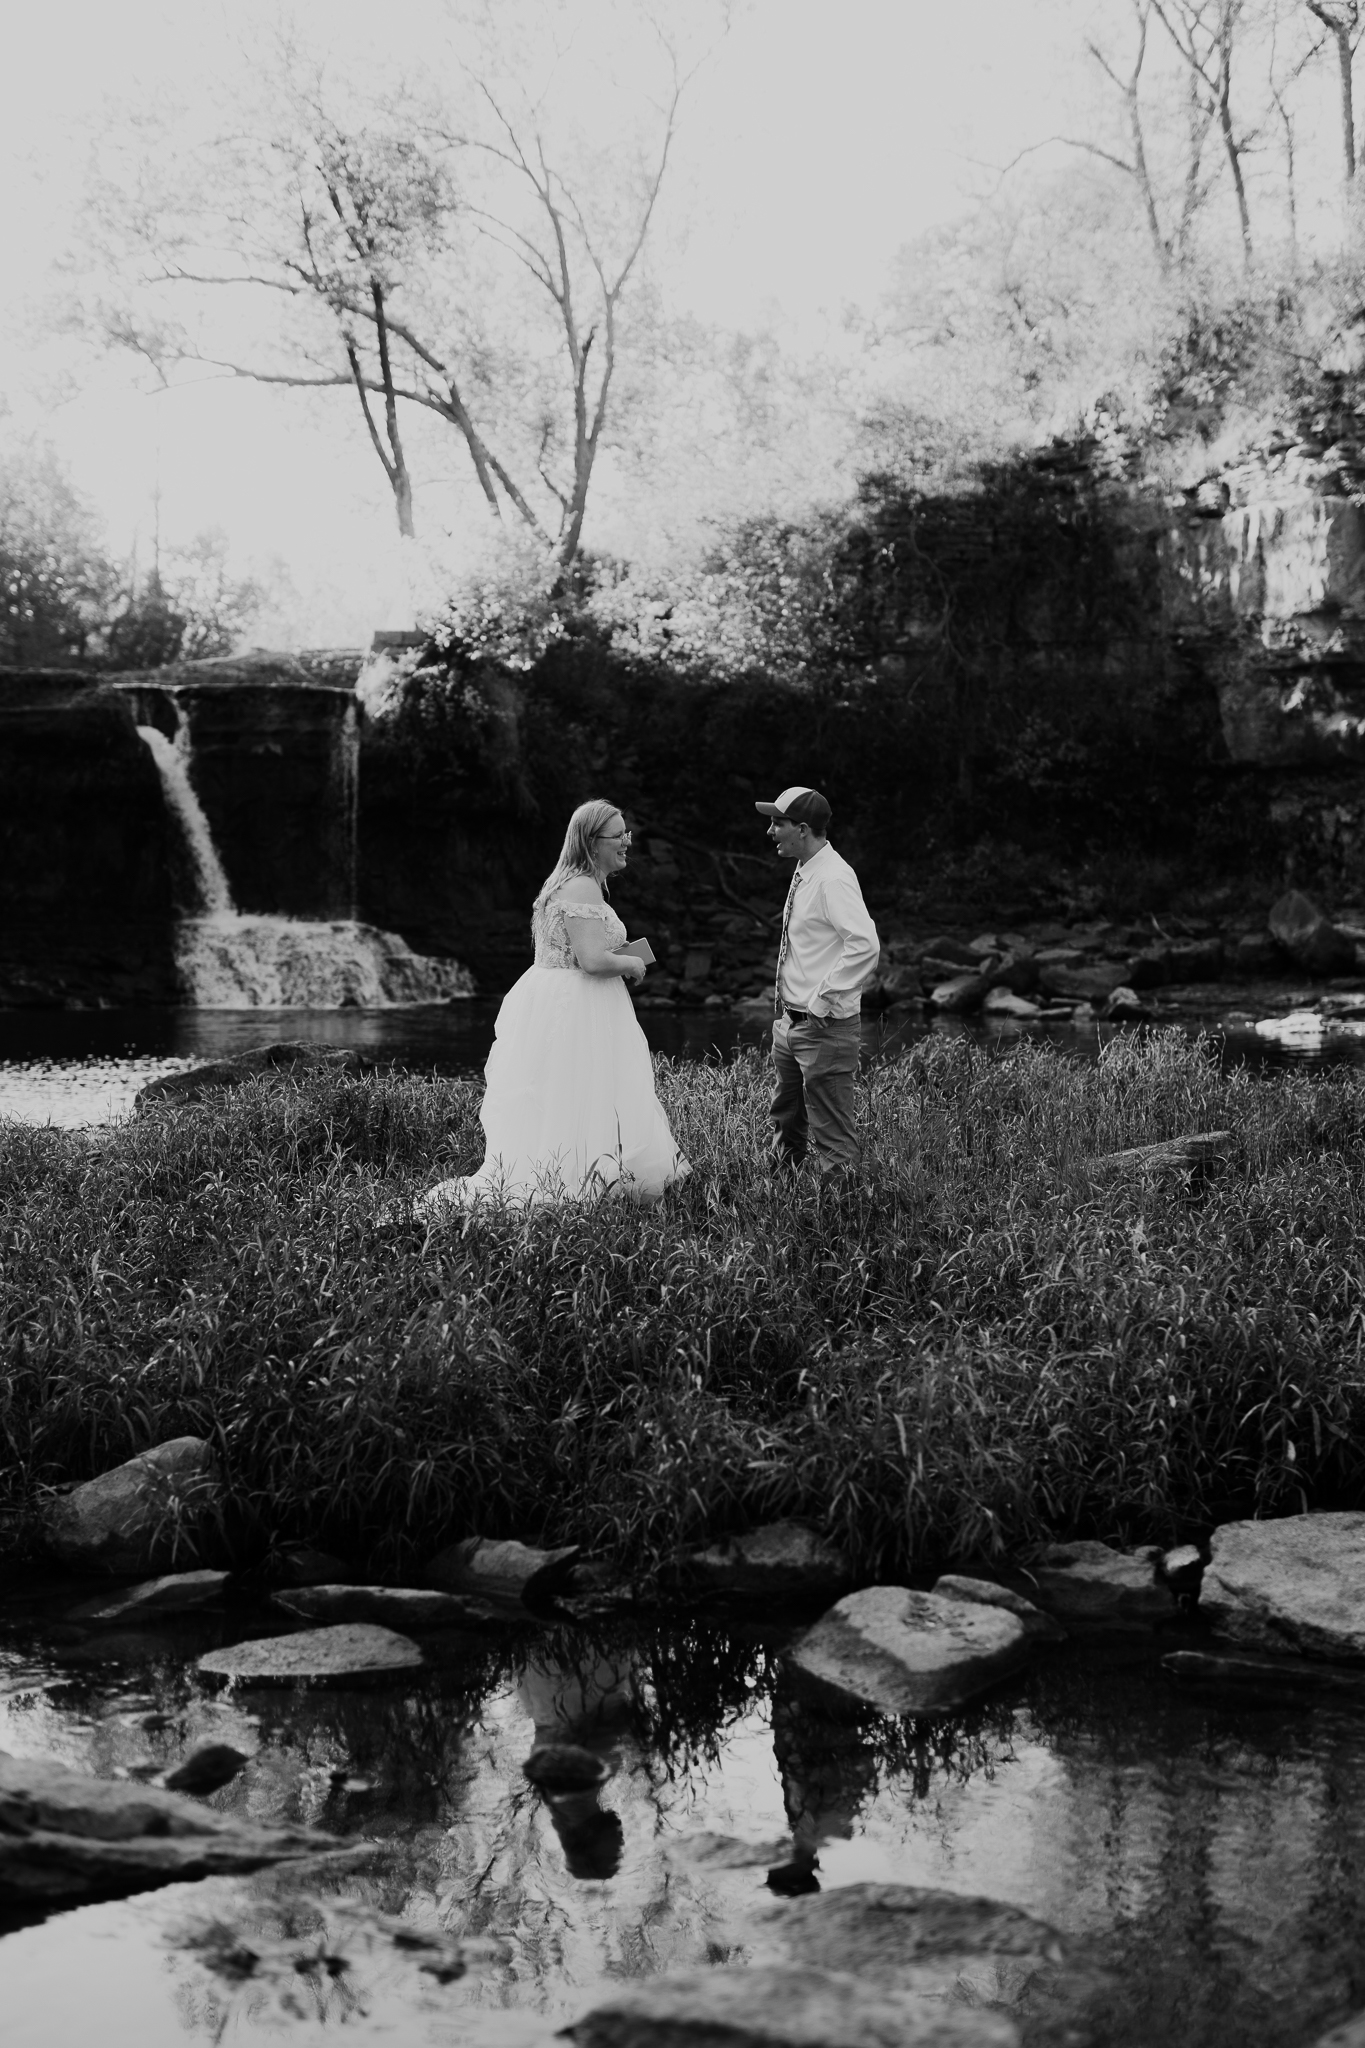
682	1024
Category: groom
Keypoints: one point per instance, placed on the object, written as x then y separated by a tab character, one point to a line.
828	950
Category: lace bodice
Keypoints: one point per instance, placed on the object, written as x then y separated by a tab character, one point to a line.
549	929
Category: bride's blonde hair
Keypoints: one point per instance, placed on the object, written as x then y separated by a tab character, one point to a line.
586	827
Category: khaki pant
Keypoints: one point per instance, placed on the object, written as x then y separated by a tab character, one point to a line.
815	1099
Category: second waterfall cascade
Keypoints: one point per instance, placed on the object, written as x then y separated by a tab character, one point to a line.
232	961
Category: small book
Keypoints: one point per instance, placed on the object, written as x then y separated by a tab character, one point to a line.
642	950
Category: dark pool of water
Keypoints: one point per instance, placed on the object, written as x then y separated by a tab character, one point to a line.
1213	1859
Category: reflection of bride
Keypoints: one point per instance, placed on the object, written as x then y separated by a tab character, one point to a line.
569	1110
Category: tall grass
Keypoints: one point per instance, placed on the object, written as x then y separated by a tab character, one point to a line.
980	1349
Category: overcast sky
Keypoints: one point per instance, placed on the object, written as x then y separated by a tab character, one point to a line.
820	137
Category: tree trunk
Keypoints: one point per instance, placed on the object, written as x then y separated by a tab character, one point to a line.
1348	115
1230	144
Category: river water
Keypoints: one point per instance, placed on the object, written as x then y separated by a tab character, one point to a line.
80	1067
1211	1860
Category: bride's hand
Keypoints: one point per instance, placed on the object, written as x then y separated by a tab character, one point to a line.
637	968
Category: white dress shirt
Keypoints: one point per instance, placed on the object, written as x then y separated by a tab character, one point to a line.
830	945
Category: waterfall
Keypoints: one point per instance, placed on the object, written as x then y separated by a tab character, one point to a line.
172	759
231	961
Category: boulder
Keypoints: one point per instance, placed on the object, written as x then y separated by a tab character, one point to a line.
793	2007
960	994
1183	1567
352	1654
1042	1627
1091	1582
291	1058
411	1607
1093	983
64	1835
1002	1002
779	1559
160	1508
1311	940
507	1571
205	1770
904	1940
1125	1006
910	1653
301	1565
1296	1584
172	1595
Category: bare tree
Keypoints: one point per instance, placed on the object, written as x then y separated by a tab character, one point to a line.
378	230
1136	167
1341	19
1204	32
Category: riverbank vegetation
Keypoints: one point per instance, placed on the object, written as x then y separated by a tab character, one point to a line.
985	1347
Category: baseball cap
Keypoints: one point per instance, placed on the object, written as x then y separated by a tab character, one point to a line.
800	806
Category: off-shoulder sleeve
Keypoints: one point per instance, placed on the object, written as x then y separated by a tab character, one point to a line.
572	908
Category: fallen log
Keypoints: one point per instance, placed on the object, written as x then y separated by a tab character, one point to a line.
1200	1148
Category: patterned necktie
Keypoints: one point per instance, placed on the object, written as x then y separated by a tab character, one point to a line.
782	943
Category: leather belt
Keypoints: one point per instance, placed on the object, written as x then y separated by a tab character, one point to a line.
796	1016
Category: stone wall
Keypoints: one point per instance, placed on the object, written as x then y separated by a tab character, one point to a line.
85	857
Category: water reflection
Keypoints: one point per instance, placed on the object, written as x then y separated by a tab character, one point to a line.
1214	1860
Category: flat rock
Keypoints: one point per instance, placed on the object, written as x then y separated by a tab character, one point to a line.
400	1607
171	1595
905	1939
64	1835
986	1593
781	2008
355	1653
910	1653
1003	1002
157	1509
290	1057
505	1570
1090	1582
1296	1584
780	1558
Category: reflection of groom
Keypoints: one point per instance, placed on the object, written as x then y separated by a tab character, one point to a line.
829	948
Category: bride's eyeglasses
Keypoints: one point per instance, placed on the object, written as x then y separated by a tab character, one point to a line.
616	838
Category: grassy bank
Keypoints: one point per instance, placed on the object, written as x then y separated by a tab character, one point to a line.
981	1350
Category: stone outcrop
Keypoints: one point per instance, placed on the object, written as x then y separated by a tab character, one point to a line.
1310	939
502	1570
778	1560
178	1593
160	1508
910	1653
400	1607
1093	1583
1266	1681
1296	1585
289	1058
794	2007
65	1836
86	909
354	1653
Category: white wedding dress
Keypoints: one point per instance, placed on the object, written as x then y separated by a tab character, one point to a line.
569	1111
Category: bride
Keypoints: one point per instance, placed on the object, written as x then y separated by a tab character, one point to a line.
569	1110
